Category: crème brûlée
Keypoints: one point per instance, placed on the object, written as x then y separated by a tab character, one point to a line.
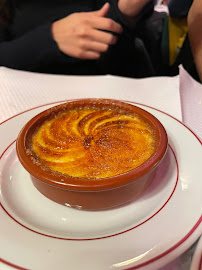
90	142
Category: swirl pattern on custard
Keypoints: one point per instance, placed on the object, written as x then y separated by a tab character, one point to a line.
92	143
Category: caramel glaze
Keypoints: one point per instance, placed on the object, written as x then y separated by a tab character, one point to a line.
92	143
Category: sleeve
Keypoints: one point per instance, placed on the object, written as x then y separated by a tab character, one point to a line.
127	57
29	51
3	33
116	15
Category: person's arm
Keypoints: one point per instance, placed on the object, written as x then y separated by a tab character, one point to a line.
87	35
131	9
78	35
28	51
195	34
128	12
84	35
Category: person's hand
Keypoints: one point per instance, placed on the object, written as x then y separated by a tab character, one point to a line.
81	35
130	8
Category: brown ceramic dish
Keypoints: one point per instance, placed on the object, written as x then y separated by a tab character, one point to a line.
92	153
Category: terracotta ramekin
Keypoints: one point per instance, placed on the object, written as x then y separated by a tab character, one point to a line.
100	193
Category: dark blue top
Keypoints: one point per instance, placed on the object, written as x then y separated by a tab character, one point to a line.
27	43
179	8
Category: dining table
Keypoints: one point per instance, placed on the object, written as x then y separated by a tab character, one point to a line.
161	231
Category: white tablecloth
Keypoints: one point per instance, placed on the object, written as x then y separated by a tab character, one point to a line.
20	91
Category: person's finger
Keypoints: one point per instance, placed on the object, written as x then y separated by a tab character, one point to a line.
103	11
89	45
102	37
90	55
106	24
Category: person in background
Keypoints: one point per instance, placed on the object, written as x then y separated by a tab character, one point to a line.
195	34
82	37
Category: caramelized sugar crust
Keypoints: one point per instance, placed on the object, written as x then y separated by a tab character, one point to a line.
92	143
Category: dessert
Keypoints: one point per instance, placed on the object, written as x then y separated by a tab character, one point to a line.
92	153
93	142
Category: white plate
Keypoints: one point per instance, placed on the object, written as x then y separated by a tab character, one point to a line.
196	263
36	233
